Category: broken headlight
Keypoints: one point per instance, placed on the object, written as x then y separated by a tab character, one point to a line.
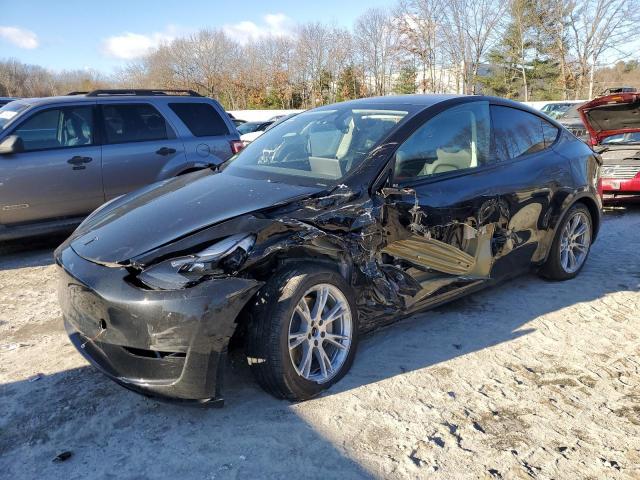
225	256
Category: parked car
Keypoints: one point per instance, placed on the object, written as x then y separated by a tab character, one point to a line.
249	127
557	109
62	157
613	123
236	121
341	219
573	122
612	90
247	138
5	100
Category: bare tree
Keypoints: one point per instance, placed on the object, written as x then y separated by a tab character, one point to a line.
471	27
419	24
601	27
520	11
557	27
376	41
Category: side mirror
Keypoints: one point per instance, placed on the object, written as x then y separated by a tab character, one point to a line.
11	144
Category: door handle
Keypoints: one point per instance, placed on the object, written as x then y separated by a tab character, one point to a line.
78	162
166	151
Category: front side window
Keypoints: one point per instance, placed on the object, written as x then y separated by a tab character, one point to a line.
56	128
518	133
456	139
126	123
201	119
318	147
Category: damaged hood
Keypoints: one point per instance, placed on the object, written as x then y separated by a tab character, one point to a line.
611	115
162	213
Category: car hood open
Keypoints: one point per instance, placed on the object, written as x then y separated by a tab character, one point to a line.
165	212
611	115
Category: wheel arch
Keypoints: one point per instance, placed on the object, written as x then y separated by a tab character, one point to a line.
591	205
243	319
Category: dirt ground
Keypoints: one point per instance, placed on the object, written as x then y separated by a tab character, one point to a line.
528	380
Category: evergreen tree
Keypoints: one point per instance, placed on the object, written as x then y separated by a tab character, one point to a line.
406	82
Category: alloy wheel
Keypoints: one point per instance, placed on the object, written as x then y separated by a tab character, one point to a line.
320	333
575	242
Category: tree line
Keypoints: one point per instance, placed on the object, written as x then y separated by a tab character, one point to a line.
521	49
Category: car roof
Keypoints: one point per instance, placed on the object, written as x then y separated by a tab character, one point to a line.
425	100
38	101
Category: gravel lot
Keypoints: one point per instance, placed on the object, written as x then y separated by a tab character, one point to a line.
528	380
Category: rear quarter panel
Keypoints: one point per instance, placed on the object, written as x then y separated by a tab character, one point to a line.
584	166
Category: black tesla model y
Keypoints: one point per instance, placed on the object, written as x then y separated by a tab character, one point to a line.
336	221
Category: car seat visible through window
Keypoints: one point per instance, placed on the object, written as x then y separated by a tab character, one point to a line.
76	131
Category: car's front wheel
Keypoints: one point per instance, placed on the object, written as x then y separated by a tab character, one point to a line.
571	245
303	332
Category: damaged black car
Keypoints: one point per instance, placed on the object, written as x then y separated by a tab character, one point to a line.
336	221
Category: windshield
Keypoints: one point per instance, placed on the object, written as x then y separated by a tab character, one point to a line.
555	110
10	111
250	127
622	138
571	113
319	146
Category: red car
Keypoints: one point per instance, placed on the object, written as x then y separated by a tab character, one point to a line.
613	123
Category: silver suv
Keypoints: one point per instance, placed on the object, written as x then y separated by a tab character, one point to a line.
62	157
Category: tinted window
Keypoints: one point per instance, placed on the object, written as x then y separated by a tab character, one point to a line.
200	118
59	127
133	123
455	139
517	133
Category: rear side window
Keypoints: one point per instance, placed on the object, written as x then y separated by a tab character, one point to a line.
125	123
517	133
549	132
57	128
200	118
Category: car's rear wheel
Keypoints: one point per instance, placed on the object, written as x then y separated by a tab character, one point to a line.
303	332
571	245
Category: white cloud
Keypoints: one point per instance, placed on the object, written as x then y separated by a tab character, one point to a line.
20	37
128	45
274	24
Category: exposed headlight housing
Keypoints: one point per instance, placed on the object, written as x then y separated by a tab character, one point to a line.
225	256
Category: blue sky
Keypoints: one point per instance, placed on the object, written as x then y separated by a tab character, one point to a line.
104	35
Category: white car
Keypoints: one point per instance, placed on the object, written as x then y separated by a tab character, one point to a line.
556	108
247	138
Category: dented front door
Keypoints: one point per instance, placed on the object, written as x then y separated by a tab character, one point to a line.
444	238
449	218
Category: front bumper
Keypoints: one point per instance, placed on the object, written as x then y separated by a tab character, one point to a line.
169	344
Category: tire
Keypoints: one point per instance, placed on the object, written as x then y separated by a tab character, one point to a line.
278	318
556	266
